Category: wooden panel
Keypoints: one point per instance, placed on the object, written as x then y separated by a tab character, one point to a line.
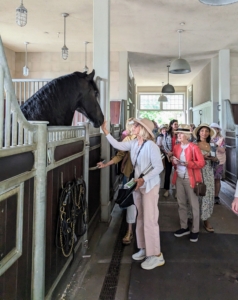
15	283
64	151
15	164
95	140
115	112
54	257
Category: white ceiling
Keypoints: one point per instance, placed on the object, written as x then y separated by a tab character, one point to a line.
147	29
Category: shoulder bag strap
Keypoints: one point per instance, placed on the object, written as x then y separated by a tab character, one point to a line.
196	165
139	153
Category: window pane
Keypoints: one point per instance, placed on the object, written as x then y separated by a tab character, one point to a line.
175	102
149	102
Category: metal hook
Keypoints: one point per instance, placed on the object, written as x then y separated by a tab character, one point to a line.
219	107
200	112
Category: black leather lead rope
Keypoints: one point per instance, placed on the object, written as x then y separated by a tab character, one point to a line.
72	209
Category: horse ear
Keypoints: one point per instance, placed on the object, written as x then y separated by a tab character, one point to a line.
90	76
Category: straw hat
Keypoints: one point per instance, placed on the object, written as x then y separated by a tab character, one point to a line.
163	126
147	124
212	131
215	125
184	128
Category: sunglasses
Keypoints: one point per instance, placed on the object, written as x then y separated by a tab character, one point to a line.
136	125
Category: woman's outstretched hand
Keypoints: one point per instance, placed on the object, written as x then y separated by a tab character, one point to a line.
234	205
104	127
101	165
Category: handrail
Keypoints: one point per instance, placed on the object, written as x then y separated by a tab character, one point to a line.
11	117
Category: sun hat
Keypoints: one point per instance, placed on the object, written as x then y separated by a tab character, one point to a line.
212	131
147	124
163	126
183	128
215	125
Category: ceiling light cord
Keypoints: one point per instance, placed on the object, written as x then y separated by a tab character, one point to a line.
26	56
179	45
64	30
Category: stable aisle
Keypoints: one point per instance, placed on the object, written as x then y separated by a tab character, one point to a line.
205	270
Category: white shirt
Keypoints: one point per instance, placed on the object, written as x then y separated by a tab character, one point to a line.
149	154
182	170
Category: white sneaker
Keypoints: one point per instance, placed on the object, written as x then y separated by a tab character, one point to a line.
140	255
166	194
152	262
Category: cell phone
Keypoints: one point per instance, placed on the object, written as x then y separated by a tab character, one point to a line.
213	150
181	161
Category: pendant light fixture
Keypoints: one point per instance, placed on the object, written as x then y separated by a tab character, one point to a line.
179	65
85	67
162	97
218	2
21	15
25	68
65	50
168	88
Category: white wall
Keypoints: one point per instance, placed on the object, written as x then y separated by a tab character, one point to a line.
10	55
202	86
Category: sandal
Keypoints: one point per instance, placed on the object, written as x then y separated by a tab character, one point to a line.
208	227
127	238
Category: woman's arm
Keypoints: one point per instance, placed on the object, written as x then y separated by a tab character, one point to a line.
101	165
124	146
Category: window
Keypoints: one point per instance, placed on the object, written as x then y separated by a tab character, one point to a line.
150	102
162	112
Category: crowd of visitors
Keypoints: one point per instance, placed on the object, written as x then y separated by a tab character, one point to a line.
195	154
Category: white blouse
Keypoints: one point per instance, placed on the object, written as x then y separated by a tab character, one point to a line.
150	154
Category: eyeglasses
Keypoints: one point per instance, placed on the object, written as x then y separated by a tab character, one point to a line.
136	125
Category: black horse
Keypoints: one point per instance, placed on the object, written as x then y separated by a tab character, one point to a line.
57	101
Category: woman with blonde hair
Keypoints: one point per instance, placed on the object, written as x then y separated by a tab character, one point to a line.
126	170
221	155
144	152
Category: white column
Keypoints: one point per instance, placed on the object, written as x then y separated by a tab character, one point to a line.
101	64
215	89
224	84
123	75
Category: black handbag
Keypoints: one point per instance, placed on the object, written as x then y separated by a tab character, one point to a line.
125	196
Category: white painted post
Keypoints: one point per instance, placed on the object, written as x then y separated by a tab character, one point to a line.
123	75
39	213
224	84
101	63
214	89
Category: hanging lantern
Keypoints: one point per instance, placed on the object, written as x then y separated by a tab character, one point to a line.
65	50
21	15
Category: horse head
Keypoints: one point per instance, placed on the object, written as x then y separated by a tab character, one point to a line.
88	103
